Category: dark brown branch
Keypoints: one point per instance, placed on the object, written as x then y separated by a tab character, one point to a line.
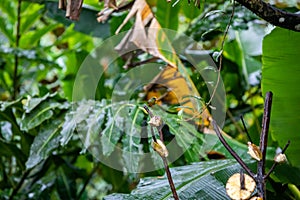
170	178
272	14
261	186
231	151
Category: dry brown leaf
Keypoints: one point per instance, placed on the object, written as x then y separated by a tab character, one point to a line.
170	84
139	8
110	6
72	7
143	35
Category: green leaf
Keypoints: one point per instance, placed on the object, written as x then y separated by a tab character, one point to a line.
186	135
37	116
32	103
191	11
7	30
203	180
38	110
132	149
110	135
167	15
45	142
68	128
31	13
66	186
31	38
280	75
7	7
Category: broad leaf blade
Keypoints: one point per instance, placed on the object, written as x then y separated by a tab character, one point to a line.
280	75
203	180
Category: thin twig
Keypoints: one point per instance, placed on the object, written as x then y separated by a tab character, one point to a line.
231	151
245	128
87	181
221	56
276	163
15	76
261	185
16	189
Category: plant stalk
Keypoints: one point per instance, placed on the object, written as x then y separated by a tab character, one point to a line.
261	183
15	75
165	161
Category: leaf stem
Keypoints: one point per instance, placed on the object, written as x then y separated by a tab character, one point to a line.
245	128
15	75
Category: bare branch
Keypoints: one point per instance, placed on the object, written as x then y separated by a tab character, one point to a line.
272	14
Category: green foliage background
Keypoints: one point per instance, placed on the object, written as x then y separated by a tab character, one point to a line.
41	149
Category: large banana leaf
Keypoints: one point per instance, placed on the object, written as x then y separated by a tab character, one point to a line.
280	74
203	180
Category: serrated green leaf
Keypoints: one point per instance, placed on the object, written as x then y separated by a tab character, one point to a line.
45	142
114	127
31	103
7	104
280	75
132	149
40	114
68	129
